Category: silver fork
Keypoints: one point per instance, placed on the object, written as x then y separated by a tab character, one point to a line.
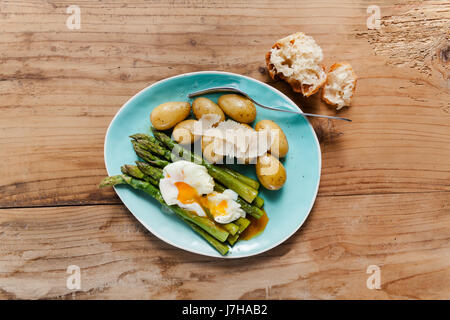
231	89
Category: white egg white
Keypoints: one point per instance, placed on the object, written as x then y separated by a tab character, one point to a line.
190	173
233	210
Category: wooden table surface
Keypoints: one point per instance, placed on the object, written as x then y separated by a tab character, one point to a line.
384	196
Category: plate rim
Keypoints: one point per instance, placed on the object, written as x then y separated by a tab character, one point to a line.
313	200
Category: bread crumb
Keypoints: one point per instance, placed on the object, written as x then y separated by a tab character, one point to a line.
340	85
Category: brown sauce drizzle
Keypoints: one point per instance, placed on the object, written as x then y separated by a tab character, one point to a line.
255	228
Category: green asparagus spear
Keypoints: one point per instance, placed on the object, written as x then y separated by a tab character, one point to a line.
233	239
252	210
150	139
148	156
246	192
138	174
258	202
148	170
243	224
204	223
219	246
231	228
155	149
143	136
247	180
177	149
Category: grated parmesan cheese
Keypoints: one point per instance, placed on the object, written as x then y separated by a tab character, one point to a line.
232	139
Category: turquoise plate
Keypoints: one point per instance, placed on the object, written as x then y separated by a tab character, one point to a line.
287	208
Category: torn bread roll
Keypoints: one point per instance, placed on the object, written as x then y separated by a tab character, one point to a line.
296	59
340	85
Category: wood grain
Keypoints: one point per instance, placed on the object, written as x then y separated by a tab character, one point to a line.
326	259
62	87
385	183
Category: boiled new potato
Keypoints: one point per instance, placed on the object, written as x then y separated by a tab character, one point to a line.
208	151
270	172
183	132
167	115
202	106
279	146
237	107
247	126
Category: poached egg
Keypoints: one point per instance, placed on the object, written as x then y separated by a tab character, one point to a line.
189	186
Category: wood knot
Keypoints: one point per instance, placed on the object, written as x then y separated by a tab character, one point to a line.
335	252
440	60
444	53
325	130
125	76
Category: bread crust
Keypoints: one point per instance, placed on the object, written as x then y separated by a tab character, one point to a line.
270	66
332	68
306	90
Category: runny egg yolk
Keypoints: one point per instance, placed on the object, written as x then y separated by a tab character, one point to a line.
220	209
188	194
